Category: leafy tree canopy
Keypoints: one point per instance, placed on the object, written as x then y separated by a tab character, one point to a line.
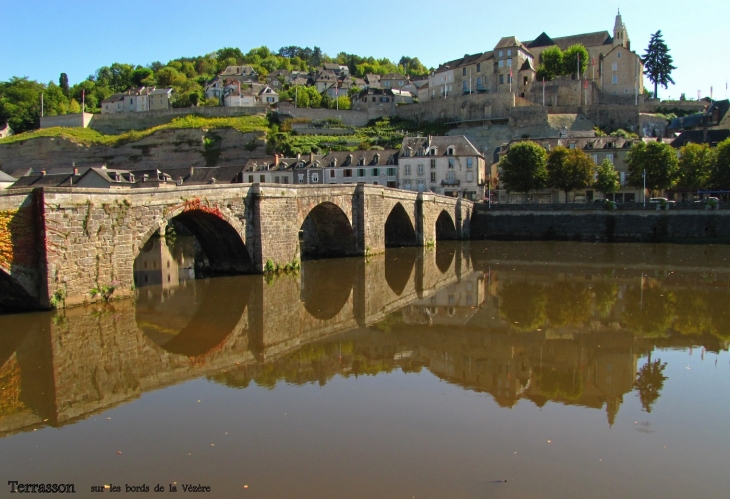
524	168
569	169
660	162
607	178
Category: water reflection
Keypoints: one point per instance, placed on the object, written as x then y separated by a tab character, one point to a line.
495	319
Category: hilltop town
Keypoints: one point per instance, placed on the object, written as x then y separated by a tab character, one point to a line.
443	131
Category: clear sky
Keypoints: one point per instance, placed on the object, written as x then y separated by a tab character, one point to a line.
42	38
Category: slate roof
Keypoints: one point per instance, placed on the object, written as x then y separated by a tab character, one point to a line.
462	145
698	137
370	157
509	41
586	39
4	177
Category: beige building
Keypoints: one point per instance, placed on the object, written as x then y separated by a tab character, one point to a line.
160	98
137	100
445	165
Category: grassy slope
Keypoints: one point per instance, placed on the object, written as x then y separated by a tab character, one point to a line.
87	136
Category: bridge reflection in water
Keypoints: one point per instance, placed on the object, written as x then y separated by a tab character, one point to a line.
490	319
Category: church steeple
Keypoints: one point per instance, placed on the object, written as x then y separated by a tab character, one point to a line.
620	35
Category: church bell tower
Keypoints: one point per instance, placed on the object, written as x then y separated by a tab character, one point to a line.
620	35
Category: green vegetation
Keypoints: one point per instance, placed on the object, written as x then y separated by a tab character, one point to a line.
658	63
524	168
87	136
658	160
20	97
569	169
607	178
555	62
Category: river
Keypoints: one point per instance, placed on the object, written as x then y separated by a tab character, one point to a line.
474	370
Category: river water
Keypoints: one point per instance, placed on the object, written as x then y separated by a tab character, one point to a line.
478	370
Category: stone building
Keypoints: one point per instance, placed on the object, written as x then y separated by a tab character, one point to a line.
614	74
442	164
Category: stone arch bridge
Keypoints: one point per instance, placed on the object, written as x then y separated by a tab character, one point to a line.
70	244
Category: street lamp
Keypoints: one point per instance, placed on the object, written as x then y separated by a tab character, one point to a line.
644	192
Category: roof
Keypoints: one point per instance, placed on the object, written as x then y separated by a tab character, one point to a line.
462	145
239	70
161	91
586	39
370	157
205	175
393	76
42	180
4	177
713	137
541	41
509	41
114	98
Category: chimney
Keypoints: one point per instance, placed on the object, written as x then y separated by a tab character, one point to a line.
43	173
299	156
276	160
76	172
311	157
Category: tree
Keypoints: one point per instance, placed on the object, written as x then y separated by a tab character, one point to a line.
63	83
524	168
575	58
552	62
649	382
660	162
141	74
20	103
168	77
343	102
569	169
658	63
721	171
607	179
74	107
695	166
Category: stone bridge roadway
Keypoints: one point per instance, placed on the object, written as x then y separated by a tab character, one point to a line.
99	356
64	242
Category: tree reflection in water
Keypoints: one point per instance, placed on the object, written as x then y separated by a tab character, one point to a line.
650	381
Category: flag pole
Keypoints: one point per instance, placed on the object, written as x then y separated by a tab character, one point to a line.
41	104
543	90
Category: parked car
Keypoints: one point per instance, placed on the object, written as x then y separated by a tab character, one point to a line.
660	201
708	199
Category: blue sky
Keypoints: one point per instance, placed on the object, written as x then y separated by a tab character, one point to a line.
42	38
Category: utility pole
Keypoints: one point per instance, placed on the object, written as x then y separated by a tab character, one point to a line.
41	104
644	192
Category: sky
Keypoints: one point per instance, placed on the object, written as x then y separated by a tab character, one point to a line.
43	38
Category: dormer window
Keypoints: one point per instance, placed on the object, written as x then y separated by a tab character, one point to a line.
377	158
333	162
450	151
434	151
361	161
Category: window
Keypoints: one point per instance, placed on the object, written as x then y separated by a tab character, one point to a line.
300	177
622	178
276	180
595	158
614	66
609	157
469	162
501	79
501	53
509	62
433	176
315	177
571	146
479	67
407	185
420	170
500	64
469	176
384	99
479	82
361	172
407	170
463	72
420	186
509	52
614	79
451	162
332	174
376	172
391	172
464	87
618	54
286	180
250	179
262	178
433	164
348	173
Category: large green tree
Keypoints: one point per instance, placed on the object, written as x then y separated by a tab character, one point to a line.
660	162
575	58
524	168
63	83
649	382
658	63
607	178
720	178
695	166
569	169
20	103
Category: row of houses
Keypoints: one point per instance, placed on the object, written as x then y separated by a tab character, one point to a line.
450	166
136	100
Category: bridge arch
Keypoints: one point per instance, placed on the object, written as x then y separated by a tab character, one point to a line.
197	319
326	286
220	237
326	232
399	230
445	227
13	296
